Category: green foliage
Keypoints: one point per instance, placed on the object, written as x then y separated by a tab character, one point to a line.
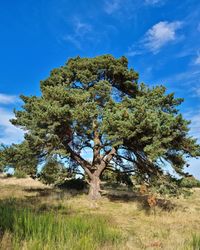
53	230
194	243
189	182
109	176
116	177
19	174
166	186
97	103
53	172
21	157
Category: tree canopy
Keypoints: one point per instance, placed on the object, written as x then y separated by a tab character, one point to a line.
97	104
21	157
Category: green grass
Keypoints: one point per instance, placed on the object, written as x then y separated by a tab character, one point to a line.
55	230
194	243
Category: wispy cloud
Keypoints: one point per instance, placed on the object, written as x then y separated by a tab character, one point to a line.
81	31
128	7
197	60
8	132
7	99
194	117
153	2
158	36
161	34
123	10
85	37
179	82
112	6
196	91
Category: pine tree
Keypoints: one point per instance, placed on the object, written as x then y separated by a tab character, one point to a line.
21	157
98	104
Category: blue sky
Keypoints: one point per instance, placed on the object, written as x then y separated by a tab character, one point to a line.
161	39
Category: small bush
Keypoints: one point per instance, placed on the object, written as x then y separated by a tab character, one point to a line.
77	184
189	182
19	174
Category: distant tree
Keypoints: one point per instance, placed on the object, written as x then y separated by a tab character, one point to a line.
116	176
21	157
98	104
54	172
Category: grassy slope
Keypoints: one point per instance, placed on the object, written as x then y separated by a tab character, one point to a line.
139	228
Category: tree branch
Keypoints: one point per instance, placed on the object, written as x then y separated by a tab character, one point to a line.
105	161
97	145
109	155
82	162
119	171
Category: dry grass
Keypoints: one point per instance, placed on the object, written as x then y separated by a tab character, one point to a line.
20	182
142	229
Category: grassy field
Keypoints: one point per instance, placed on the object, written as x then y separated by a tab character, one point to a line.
36	217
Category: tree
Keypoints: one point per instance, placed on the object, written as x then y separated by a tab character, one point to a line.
21	157
54	172
97	104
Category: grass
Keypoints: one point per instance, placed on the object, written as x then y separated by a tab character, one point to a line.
50	219
34	229
194	243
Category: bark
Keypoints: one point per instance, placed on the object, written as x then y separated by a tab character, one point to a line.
94	190
94	169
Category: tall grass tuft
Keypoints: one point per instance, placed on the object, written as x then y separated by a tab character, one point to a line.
194	243
41	230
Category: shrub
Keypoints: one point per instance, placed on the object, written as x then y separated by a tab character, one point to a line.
77	184
19	173
189	182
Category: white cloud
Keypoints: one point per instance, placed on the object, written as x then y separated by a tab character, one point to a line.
8	132
160	34
155	38
7	99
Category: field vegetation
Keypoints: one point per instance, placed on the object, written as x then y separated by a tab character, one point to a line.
36	217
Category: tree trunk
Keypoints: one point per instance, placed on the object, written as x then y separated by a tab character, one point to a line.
94	191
